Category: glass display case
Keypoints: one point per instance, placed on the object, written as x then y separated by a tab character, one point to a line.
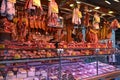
57	64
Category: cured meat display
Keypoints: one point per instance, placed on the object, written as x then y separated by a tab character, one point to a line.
70	71
49	44
77	15
8	8
53	14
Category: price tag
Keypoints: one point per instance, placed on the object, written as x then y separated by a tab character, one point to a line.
60	51
75	26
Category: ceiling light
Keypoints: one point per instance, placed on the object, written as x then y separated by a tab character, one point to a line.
110	12
97	7
78	2
107	2
90	10
103	14
71	5
116	0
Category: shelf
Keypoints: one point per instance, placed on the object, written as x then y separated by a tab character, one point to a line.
26	60
58	48
46	59
27	49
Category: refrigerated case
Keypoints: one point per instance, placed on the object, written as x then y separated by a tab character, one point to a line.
60	67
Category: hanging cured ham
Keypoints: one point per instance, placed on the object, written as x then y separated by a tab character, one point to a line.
91	36
86	17
52	13
76	19
38	4
115	24
32	5
8	8
86	21
96	21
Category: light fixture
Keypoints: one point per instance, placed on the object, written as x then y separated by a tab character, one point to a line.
71	5
78	2
107	2
90	10
103	14
110	12
97	7
116	0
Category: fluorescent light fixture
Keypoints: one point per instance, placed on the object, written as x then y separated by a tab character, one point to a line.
116	0
71	5
107	2
97	7
110	12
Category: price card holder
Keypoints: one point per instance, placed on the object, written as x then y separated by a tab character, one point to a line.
59	51
75	26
